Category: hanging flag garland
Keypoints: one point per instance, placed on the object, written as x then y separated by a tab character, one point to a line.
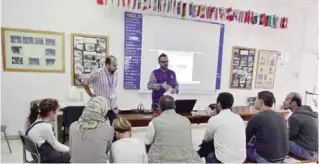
179	8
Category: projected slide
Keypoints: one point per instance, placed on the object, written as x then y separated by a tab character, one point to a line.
192	53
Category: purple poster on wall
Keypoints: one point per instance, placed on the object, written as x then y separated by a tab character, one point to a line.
132	50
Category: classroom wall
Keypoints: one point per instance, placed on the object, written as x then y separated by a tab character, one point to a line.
84	16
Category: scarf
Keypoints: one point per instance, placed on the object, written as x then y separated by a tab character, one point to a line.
93	115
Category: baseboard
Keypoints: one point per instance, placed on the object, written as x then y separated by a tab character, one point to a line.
11	137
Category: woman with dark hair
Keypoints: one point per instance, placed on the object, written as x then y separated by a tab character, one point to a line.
40	131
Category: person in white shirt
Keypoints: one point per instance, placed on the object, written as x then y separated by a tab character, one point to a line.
126	149
41	132
226	132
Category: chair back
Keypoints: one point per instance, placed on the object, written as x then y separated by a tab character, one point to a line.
71	114
31	147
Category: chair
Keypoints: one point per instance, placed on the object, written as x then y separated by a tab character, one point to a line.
3	129
31	147
70	115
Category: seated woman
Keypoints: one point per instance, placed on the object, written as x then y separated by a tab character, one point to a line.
126	149
91	137
41	132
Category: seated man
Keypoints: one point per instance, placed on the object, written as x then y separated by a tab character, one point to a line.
303	130
270	131
226	131
286	104
170	136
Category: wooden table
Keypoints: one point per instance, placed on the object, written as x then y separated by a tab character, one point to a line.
140	120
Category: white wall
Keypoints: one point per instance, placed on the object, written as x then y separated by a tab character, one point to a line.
84	16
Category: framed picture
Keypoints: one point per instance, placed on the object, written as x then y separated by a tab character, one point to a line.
242	68
266	69
88	53
27	50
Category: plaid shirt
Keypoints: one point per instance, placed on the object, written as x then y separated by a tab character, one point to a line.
104	84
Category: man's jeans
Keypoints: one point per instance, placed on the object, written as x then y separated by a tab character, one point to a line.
253	156
301	152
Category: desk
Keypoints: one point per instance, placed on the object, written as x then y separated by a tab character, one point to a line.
141	120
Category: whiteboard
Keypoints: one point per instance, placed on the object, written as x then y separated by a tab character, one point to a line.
163	34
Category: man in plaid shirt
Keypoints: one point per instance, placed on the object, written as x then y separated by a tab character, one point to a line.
104	82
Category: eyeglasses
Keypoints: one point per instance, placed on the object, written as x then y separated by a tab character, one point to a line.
164	62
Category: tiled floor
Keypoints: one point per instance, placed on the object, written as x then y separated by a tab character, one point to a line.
16	155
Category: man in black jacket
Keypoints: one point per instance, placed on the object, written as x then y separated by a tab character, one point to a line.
303	130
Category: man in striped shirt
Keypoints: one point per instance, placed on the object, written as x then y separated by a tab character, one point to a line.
104	82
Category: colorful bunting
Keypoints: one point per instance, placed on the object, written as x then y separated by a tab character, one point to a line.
210	13
184	10
179	8
190	9
101	2
194	12
139	4
174	7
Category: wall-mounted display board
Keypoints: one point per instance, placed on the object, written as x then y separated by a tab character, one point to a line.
242	68
266	69
88	52
132	50
27	50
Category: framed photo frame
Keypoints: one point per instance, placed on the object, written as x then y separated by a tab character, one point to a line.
242	68
25	50
88	52
266	69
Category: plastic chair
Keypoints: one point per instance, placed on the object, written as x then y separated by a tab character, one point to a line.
70	115
3	129
31	147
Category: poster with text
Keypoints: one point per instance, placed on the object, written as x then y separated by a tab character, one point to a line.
88	53
266	69
242	68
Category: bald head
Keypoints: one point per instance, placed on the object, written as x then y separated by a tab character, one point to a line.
292	101
166	102
111	63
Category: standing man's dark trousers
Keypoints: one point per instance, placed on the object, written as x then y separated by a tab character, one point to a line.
110	115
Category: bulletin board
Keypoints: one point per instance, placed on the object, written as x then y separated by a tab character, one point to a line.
266	69
88	53
27	50
242	68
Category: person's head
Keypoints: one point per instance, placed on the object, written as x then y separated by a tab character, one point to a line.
46	110
166	102
111	63
163	61
122	128
265	100
292	101
225	100
93	114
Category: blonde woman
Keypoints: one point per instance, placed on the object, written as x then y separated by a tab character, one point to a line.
91	137
126	149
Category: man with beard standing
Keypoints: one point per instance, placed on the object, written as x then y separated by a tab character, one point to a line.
104	82
161	80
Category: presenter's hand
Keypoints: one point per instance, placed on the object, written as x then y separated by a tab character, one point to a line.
174	91
166	86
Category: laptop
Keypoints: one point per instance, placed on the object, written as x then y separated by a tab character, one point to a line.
184	106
